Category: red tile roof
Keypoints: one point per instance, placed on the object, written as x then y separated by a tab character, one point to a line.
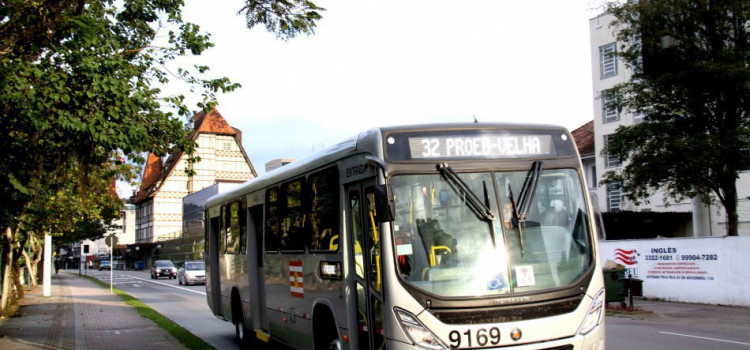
151	173
213	123
584	137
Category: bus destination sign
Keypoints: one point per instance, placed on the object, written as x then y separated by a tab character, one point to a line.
481	146
468	144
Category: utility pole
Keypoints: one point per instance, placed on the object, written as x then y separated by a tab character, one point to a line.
47	264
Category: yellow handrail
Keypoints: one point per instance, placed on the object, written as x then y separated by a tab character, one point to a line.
333	246
433	260
375	240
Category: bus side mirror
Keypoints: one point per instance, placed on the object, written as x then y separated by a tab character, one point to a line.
384	205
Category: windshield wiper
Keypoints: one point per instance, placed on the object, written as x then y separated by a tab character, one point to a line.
521	208
481	210
528	190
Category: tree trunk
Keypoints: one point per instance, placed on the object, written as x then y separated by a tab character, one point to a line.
16	249
730	206
16	274
31	268
33	259
7	300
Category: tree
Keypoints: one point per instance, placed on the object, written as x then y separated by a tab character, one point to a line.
286	18
78	90
691	81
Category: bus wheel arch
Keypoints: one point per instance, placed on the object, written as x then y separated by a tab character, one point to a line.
325	328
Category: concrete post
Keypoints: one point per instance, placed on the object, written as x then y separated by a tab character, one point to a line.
47	264
701	217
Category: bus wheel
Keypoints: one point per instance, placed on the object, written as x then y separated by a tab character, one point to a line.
238	318
324	330
335	344
241	332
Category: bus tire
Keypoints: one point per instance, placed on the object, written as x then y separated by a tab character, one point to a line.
240	329
326	336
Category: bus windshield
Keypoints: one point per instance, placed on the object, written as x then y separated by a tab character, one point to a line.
443	248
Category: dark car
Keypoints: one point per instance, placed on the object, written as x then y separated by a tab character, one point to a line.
105	265
163	268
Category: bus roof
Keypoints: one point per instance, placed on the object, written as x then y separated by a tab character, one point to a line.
366	141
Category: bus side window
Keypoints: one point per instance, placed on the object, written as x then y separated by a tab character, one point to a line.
272	232
293	227
243	225
213	229
224	225
233	231
206	230
324	209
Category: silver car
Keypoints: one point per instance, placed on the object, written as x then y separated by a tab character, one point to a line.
192	272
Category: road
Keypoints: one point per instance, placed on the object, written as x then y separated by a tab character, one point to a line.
186	305
634	334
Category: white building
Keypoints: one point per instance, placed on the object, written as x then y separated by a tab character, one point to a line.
164	184
123	228
277	163
607	71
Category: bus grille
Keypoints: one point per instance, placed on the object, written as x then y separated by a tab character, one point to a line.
506	313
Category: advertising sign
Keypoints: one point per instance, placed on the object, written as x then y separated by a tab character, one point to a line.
657	262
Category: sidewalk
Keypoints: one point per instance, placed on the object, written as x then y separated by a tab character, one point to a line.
80	315
735	318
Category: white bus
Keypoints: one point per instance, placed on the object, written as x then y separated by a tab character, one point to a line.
418	237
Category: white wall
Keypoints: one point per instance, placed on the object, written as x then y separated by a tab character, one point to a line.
708	270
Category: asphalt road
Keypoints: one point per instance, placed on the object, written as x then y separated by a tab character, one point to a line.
673	326
624	333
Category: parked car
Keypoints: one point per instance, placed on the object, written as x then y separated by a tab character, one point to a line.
192	272
105	265
163	268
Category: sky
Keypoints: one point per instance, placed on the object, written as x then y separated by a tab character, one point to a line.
397	62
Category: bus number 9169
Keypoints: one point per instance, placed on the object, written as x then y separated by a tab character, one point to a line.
482	337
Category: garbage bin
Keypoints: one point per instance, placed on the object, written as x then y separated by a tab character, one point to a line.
139	265
631	286
612	286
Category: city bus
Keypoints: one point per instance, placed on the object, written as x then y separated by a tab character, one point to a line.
435	236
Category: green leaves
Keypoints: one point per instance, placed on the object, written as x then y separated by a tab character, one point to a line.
75	87
285	18
691	80
18	186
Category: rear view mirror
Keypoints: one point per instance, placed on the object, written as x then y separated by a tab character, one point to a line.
384	205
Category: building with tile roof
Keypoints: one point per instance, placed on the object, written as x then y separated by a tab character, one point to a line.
164	183
584	138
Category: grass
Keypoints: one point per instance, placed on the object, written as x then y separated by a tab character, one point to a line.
183	335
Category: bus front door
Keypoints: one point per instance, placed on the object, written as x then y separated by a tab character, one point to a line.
213	283
255	263
366	264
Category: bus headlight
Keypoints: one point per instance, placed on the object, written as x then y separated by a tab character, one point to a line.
417	332
594	315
